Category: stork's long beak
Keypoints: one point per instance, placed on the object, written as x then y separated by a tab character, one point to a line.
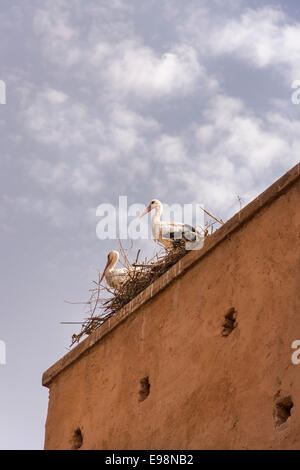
105	269
146	211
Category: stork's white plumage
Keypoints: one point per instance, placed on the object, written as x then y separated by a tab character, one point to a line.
168	233
116	277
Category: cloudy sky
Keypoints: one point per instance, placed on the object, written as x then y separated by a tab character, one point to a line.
184	101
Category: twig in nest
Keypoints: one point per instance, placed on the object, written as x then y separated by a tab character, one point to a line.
240	202
137	257
77	303
220	221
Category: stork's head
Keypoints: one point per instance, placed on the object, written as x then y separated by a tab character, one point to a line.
154	204
112	259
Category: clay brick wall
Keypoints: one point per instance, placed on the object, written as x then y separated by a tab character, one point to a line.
202	358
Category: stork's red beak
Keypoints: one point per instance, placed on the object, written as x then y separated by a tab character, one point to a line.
105	269
146	211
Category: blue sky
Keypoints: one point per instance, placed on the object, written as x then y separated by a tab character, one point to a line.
184	101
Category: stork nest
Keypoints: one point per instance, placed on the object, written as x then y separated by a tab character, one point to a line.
102	308
105	302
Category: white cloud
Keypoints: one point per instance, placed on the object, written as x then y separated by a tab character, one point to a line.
140	71
53	27
127	129
80	148
170	150
53	120
263	37
52	209
123	63
127	118
243	136
49	21
55	96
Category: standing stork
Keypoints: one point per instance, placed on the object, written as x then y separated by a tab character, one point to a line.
116	277
169	233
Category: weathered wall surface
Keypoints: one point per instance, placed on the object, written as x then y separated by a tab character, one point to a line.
207	391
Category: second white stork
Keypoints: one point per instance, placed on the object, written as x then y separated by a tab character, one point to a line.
170	233
116	277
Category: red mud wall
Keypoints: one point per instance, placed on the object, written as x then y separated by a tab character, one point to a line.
207	391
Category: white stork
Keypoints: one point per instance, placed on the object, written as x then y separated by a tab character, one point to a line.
116	277
169	233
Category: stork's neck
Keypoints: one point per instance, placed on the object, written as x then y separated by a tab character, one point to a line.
157	214
112	265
